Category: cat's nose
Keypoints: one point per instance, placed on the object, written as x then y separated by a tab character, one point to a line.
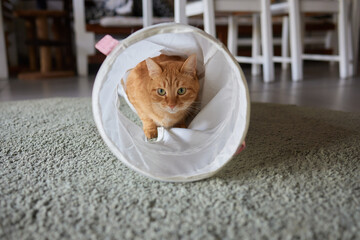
172	106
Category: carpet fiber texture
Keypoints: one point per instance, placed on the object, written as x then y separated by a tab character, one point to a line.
298	178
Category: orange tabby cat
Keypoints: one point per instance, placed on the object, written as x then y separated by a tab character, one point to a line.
162	90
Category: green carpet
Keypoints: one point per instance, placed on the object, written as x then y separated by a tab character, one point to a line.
299	178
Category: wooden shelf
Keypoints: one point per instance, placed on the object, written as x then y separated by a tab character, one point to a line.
45	75
98	29
40	13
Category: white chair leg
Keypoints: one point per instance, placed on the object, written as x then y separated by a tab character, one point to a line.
328	39
285	42
343	40
255	45
335	40
209	17
180	11
147	12
350	50
267	41
4	73
232	35
356	32
295	41
329	43
84	42
82	64
350	45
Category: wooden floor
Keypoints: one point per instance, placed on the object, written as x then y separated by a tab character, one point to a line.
320	88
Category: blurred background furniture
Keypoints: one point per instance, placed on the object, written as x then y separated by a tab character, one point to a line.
297	10
355	18
8	43
93	20
4	73
295	15
318	32
84	41
88	32
261	19
49	40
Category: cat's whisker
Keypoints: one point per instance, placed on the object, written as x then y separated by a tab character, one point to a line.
194	107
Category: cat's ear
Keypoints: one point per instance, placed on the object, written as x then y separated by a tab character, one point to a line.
189	65
153	68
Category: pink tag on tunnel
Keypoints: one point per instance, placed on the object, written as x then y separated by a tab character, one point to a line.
106	44
242	147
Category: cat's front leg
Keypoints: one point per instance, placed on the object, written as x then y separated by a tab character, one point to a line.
181	124
150	128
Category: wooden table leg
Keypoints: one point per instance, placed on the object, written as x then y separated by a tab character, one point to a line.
56	31
29	25
45	51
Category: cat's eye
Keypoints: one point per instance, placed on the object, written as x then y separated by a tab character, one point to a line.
181	91
161	91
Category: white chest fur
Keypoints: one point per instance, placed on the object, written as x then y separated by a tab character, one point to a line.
167	122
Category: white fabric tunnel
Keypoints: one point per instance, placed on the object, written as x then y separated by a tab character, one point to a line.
213	135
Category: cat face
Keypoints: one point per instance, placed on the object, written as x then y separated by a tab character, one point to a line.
174	85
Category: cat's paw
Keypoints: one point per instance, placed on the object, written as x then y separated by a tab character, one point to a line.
181	124
151	133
